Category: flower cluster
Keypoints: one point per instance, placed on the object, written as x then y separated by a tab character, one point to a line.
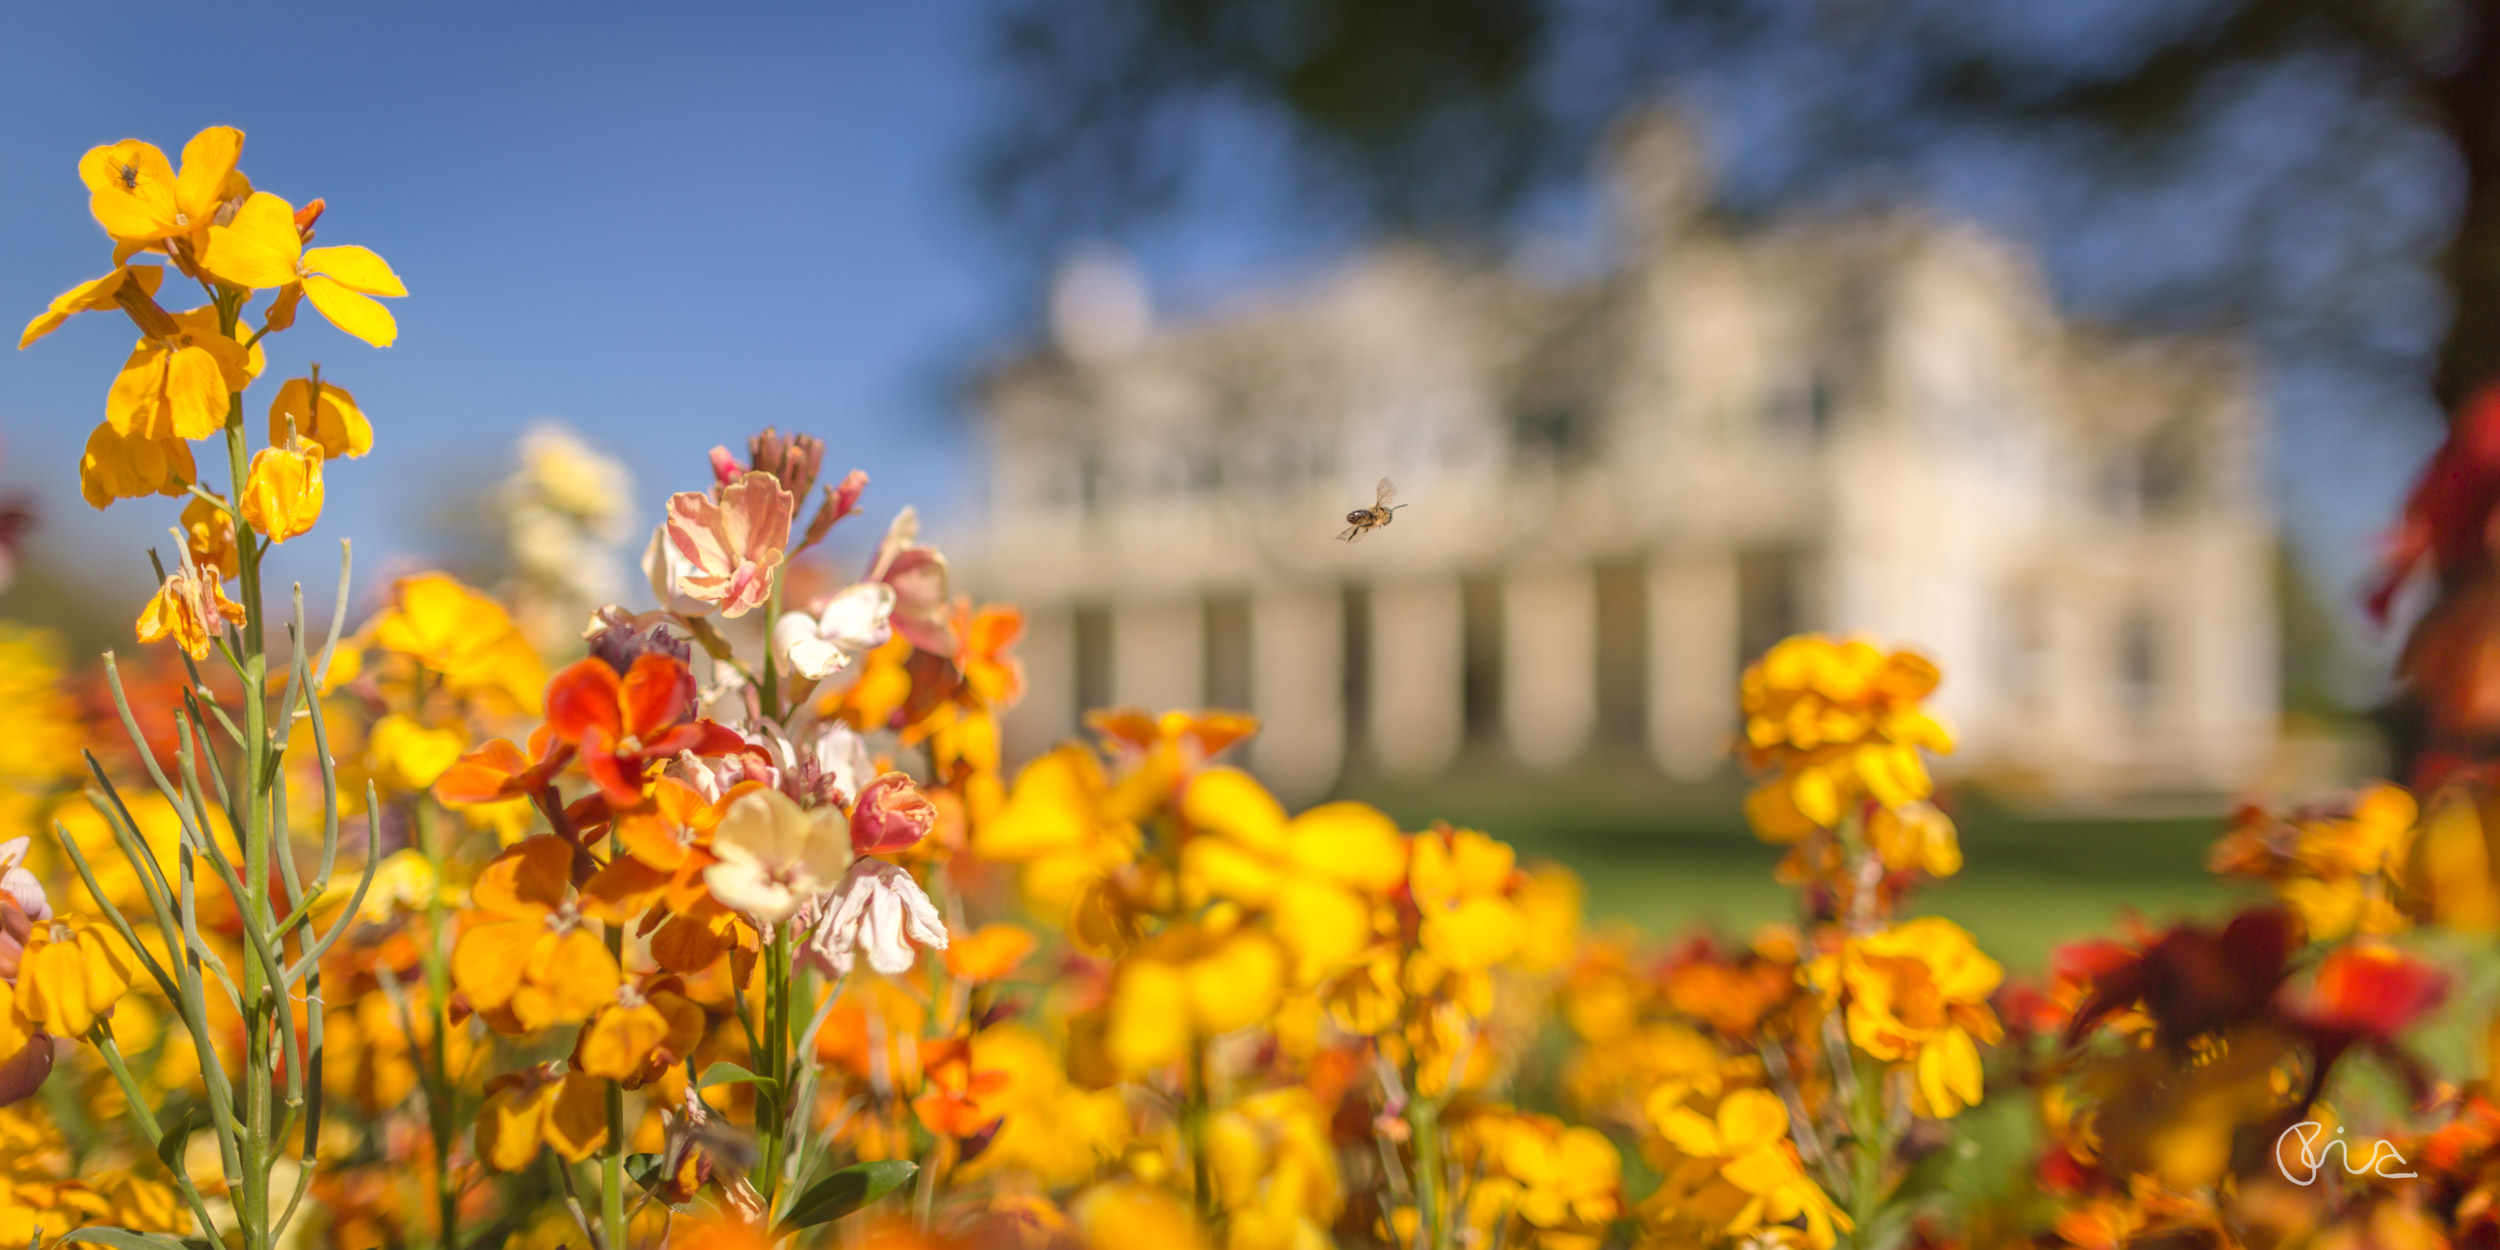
527	917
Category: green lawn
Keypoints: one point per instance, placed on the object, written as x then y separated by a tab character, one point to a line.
1666	858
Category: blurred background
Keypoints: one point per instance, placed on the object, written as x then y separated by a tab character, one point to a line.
2088	347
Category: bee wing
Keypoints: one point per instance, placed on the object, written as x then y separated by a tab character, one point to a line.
1351	533
1388	490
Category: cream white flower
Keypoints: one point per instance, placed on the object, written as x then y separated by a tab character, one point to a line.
664	564
879	912
776	855
854	622
28	890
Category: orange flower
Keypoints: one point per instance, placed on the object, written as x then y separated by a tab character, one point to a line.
644	1034
622	725
525	960
191	608
950	1105
527	1109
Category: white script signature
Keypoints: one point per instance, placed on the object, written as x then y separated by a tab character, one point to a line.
2313	1154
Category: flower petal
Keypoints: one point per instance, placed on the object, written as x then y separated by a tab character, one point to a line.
357	314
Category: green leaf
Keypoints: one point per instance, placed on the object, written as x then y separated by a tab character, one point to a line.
846	1191
122	1240
720	1074
177	1134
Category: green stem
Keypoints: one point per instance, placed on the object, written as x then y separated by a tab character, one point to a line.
1194	1110
102	1036
770	688
442	1116
1423	1119
1871	1125
263	1011
612	1167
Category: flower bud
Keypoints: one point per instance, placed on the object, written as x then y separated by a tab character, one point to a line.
892	815
282	496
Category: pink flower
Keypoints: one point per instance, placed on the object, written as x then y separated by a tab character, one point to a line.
892	814
878	911
918	574
732	544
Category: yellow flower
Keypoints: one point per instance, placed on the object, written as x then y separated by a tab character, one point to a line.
1461	881
191	608
94	296
1750	1136
282	496
525	959
261	247
208	534
1275	1170
461	636
407	756
1918	993
138	198
1064	823
1194	980
336	423
1915	835
1049	1129
1121	1215
179	377
71	974
1561	1185
117	467
528	1109
1318	874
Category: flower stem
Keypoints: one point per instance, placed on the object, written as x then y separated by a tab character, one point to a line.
1194	1112
1423	1119
441	1115
612	1167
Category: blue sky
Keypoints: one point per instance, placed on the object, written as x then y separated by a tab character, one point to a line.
665	232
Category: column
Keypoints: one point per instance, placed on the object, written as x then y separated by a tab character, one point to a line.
1297	688
1048	711
1158	655
2227	657
1693	609
1419	674
1549	663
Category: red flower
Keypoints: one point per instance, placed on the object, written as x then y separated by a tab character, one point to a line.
2448	516
623	724
2191	980
498	770
2369	993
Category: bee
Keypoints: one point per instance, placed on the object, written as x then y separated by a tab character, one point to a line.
1362	521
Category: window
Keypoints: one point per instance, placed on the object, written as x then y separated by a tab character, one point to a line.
1562	433
1093	658
1227	651
1480	608
2139	668
1622	653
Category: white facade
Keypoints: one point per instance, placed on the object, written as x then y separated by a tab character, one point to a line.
1621	489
